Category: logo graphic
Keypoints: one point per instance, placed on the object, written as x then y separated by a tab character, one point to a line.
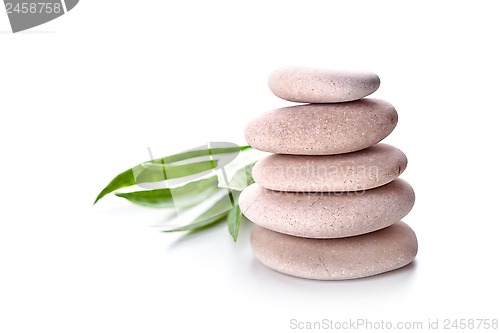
25	14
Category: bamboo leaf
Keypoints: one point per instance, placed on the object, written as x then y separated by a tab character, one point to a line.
231	148
200	224
124	179
214	214
158	169
186	168
155	172
234	221
241	179
179	197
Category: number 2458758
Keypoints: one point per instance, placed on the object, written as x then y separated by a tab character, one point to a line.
33	8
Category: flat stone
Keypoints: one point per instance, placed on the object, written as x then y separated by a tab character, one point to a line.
330	214
322	129
305	85
361	170
336	259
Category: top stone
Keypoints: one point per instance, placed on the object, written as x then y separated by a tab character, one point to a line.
304	85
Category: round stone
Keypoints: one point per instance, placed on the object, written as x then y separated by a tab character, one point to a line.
336	259
322	129
360	170
329	214
306	85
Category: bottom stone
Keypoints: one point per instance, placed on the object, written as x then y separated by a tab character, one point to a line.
336	259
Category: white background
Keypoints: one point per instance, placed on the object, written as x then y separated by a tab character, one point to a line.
82	97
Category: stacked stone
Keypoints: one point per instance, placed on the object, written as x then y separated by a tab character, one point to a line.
328	202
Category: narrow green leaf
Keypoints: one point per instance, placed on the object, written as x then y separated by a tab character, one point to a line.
180	197
234	221
157	169
248	171
154	172
200	224
212	215
197	153
124	179
241	179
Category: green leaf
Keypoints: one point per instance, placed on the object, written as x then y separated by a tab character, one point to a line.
155	172
241	179
200	224
194	164
124	179
234	221
197	153
212	215
180	197
158	169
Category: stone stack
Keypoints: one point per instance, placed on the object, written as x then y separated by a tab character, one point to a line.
328	202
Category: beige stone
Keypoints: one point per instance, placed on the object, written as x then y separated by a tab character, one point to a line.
336	259
322	129
305	85
361	170
327	215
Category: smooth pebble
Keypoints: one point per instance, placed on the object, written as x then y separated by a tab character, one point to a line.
336	259
322	129
361	170
330	214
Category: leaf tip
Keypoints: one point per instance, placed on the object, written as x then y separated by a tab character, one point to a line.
97	199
